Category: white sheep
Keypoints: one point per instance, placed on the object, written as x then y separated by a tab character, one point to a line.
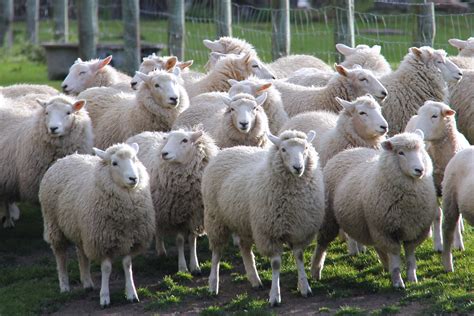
461	99
394	205
22	89
94	73
465	57
175	162
347	84
436	120
269	197
457	198
156	105
421	76
32	140
240	120
102	204
309	77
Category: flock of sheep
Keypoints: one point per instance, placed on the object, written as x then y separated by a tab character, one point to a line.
271	154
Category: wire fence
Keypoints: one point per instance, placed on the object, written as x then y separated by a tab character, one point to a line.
312	29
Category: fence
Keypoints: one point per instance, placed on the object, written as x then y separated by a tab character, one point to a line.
312	30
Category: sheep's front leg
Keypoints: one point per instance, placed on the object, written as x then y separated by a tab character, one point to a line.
411	261
193	259
249	264
106	270
303	285
275	297
12	214
84	269
61	263
394	266
214	275
182	267
437	235
130	291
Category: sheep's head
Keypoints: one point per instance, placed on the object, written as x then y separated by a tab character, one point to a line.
178	146
348	51
436	58
123	163
164	86
228	45
433	118
247	64
408	151
252	86
466	48
293	148
82	73
363	81
243	109
59	114
366	116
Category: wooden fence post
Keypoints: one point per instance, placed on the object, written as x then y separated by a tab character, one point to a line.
425	24
6	23
280	28
131	35
176	28
61	22
87	18
344	25
223	17
32	20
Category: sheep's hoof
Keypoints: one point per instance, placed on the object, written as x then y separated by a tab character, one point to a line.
7	223
89	289
258	287
196	272
307	294
212	293
275	303
104	306
133	300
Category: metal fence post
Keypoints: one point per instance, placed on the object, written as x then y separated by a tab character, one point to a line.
131	34
223	17
61	22
87	18
176	28
32	20
280	28
6	23
425	24
344	25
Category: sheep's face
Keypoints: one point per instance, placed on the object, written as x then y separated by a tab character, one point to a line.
178	146
466	48
249	64
243	112
123	165
363	81
153	62
247	86
437	58
164	86
82	73
412	158
293	152
59	115
432	119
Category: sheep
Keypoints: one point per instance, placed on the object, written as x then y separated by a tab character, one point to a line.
365	56
457	198
347	84
20	90
421	76
464	59
436	120
229	45
32	140
462	101
269	197
103	205
176	162
158	102
241	120
94	73
395	204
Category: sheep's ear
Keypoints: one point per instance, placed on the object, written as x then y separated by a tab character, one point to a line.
143	77
78	60
170	63
261	98
264	87
345	104
227	100
196	135
344	49
100	153
459	44
135	147
43	103
341	70
387	145
356	66
215	56
177	71
232	82
420	133
448	112
416	51
215	46
310	136
376	49
274	139
247	57
185	64
104	62
79	104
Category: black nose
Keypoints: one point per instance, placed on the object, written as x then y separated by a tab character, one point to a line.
164	154
244	124
383	127
418	171
273	77
53	129
64	86
133	83
133	179
297	168
384	94
460	74
174	100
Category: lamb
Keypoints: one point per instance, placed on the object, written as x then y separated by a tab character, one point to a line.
436	120
457	198
103	205
421	76
462	101
269	197
176	162
240	121
32	140
395	204
464	59
347	84
94	73
20	90
156	105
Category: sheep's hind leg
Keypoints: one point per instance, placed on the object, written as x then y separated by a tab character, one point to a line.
130	290
327	233
60	253
181	258
160	245
303	285
451	217
84	269
214	275
437	234
275	296
106	270
458	241
193	259
249	264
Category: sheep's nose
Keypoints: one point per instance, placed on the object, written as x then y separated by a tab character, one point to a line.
273	77
53	129
297	168
419	171
383	127
384	93
174	100
164	154
64	86
133	179
133	84
460	74
243	125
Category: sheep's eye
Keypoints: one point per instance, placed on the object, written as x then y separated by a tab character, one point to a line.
254	108
68	113
232	109
434	116
439	62
362	113
401	153
46	113
185	140
82	73
255	66
363	79
283	150
114	163
157	85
